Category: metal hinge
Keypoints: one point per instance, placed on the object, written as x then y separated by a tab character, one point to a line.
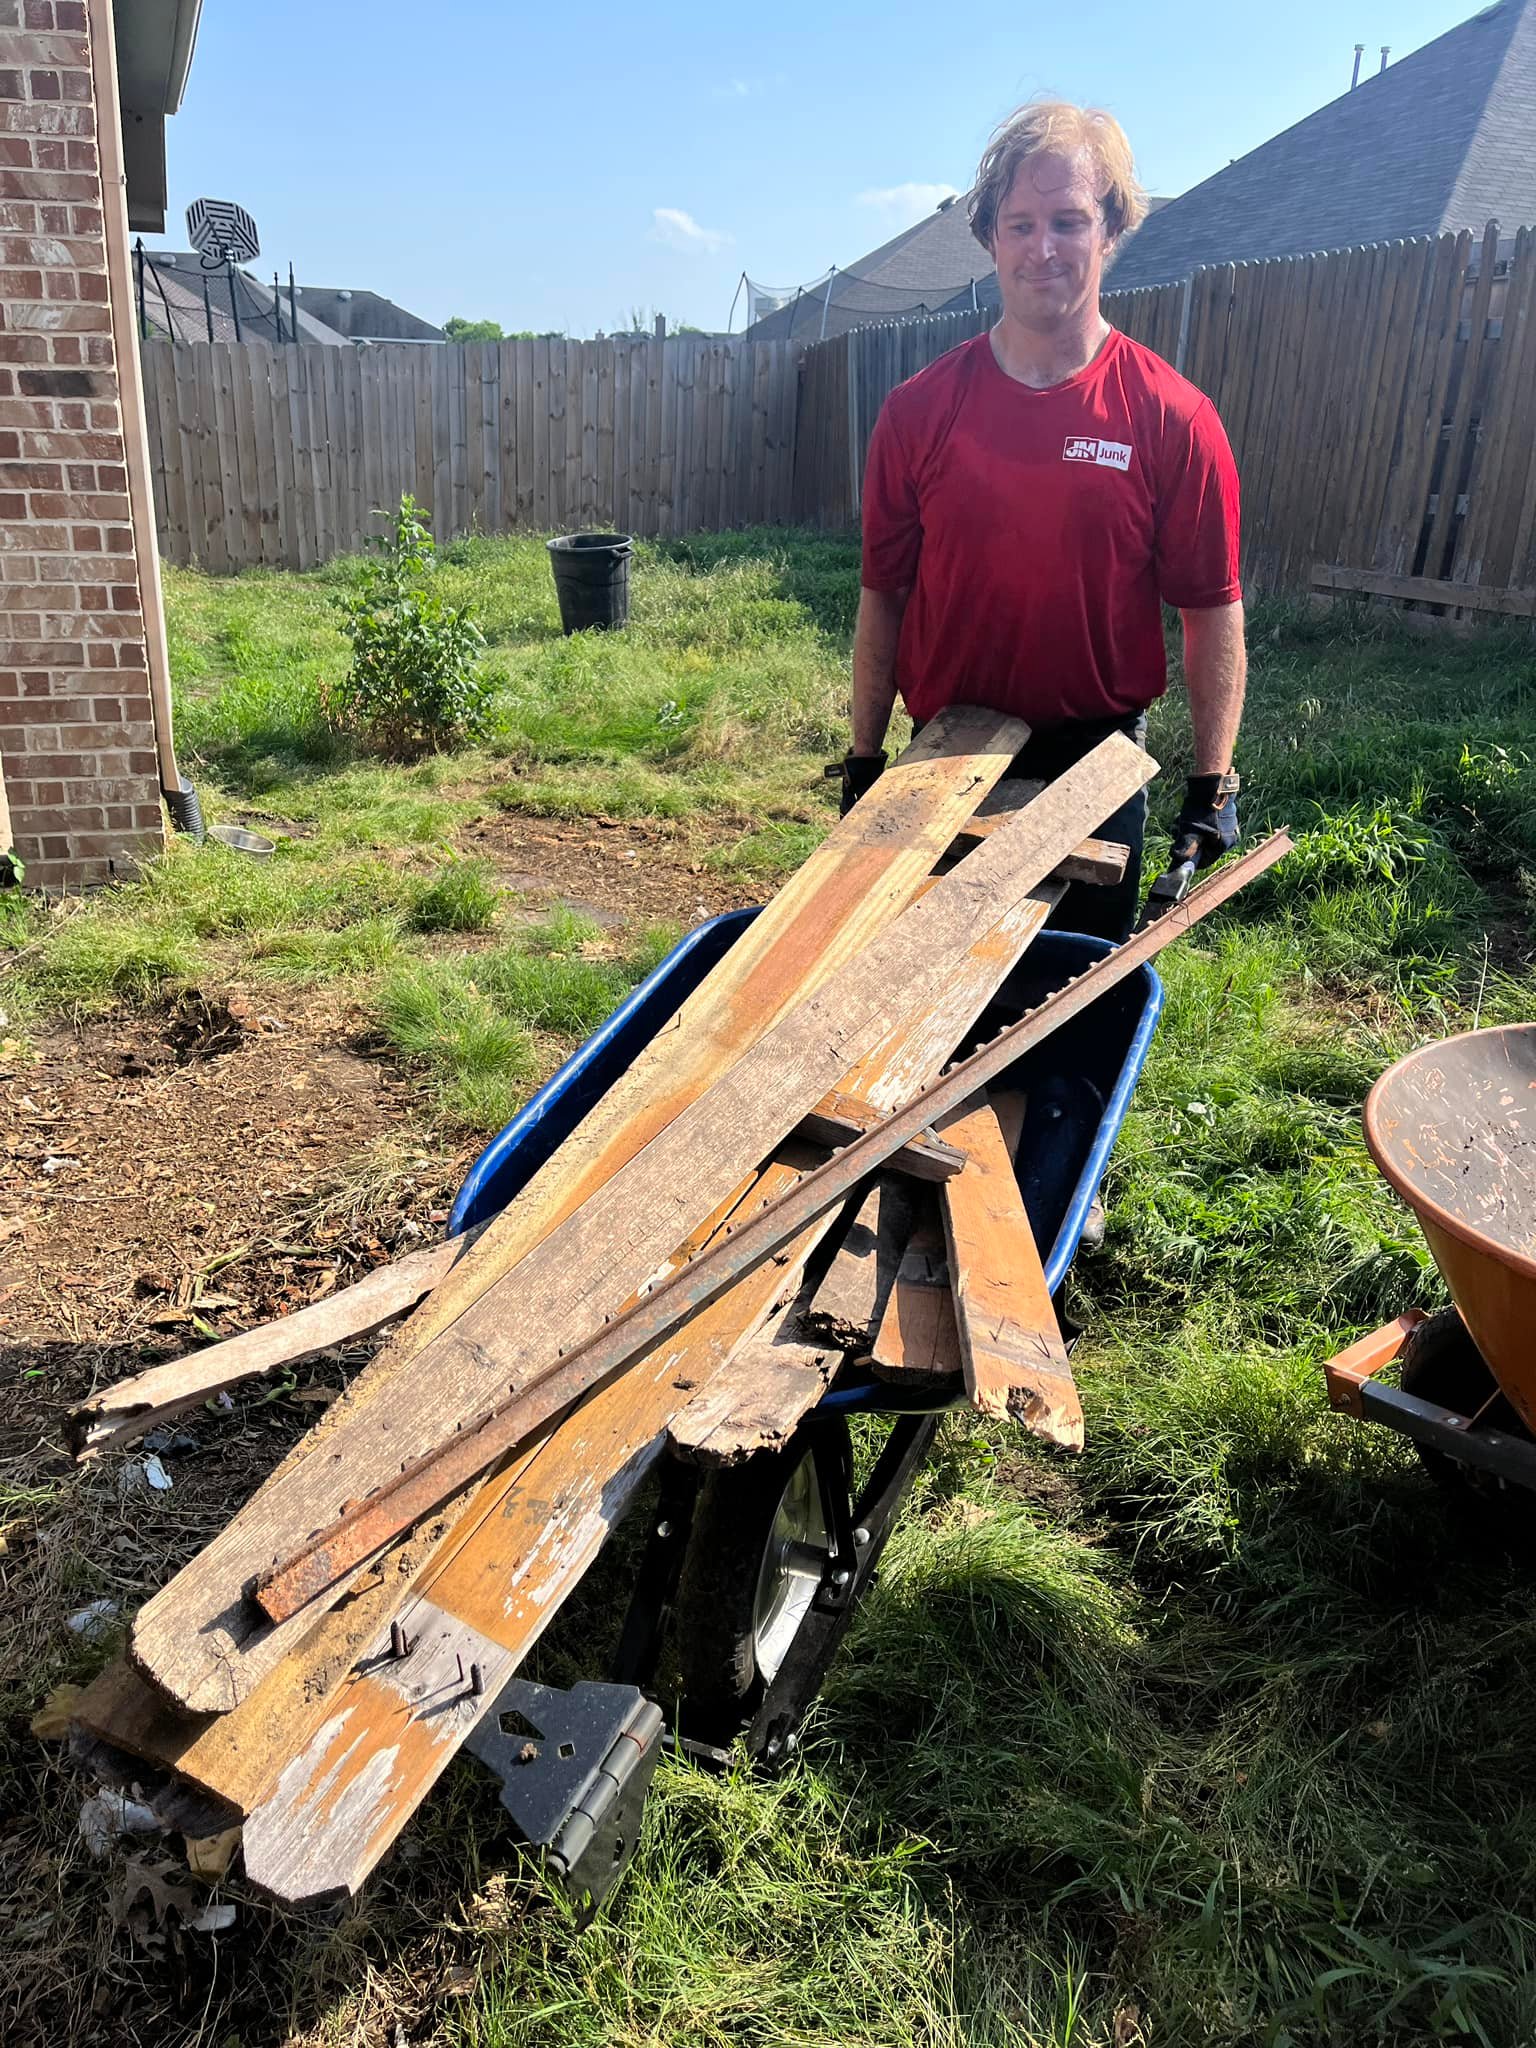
575	1768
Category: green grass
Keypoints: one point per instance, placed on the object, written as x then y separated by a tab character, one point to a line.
1219	1735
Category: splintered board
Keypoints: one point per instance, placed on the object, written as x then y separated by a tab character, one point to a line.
1011	1349
917	1341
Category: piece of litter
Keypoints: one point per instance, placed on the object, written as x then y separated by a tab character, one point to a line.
106	1815
55	1162
209	1856
213	1919
140	1473
95	1621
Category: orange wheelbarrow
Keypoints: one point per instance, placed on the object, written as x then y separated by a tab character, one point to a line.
1453	1129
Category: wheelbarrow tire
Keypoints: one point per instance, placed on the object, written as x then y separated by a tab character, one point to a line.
1441	1363
729	1639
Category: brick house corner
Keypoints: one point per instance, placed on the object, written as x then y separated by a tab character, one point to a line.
85	745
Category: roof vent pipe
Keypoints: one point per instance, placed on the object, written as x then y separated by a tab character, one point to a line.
1386	51
1354	76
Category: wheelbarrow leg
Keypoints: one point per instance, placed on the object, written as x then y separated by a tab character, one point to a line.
1347	1371
650	1604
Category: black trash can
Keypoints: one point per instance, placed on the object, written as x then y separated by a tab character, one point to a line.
592	579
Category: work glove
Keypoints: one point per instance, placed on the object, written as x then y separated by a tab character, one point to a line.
1206	827
859	773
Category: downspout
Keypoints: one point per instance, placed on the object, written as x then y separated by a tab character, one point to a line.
180	797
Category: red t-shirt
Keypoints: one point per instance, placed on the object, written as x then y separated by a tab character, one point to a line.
1038	531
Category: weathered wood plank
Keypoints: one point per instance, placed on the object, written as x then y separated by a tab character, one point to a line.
1011	1348
839	1118
120	1413
1513	604
847	1307
1095	860
918	1340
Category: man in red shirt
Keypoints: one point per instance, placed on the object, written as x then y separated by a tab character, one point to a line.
1033	498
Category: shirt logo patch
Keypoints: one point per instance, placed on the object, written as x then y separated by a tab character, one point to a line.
1107	454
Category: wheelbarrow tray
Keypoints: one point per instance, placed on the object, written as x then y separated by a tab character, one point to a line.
1079	1085
1450	1128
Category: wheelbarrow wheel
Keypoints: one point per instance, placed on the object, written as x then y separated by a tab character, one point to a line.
755	1559
1440	1363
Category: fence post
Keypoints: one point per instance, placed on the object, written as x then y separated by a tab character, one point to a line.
1182	351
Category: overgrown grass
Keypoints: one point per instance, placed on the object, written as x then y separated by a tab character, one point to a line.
1217	1736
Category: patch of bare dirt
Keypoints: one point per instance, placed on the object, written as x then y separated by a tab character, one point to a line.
623	875
164	1181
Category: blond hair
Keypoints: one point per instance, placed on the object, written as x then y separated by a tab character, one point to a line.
1058	125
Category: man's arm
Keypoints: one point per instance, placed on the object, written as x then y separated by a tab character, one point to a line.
1216	674
874	665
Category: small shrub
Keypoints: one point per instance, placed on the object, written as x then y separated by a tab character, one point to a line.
414	685
459	898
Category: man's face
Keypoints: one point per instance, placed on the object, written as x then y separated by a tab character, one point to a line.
1050	241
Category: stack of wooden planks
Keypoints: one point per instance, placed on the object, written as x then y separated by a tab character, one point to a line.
312	1671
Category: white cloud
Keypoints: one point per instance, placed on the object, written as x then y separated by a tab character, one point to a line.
747	88
680	230
904	205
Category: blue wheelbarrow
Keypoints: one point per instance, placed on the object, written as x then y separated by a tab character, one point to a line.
752	1571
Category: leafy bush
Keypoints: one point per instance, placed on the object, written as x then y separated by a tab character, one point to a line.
414	685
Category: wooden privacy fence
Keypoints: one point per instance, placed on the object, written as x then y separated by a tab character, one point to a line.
280	457
1381	403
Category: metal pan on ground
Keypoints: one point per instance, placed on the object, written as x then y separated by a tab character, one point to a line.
1453	1129
752	1572
240	839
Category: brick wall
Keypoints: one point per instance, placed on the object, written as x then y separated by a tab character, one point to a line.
76	737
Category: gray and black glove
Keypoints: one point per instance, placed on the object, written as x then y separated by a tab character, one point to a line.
1206	828
859	774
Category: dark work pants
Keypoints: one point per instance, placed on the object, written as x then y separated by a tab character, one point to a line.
1107	910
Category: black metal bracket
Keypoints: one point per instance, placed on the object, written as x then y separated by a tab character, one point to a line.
635	1660
575	1768
1510	1458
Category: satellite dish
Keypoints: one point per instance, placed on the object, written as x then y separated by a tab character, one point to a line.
220	229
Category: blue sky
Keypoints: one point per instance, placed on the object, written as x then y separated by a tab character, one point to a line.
553	166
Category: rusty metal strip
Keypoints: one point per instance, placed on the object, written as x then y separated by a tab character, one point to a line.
428	1481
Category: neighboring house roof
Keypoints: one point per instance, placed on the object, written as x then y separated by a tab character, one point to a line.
1444	139
919	270
154	40
174	305
365	315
